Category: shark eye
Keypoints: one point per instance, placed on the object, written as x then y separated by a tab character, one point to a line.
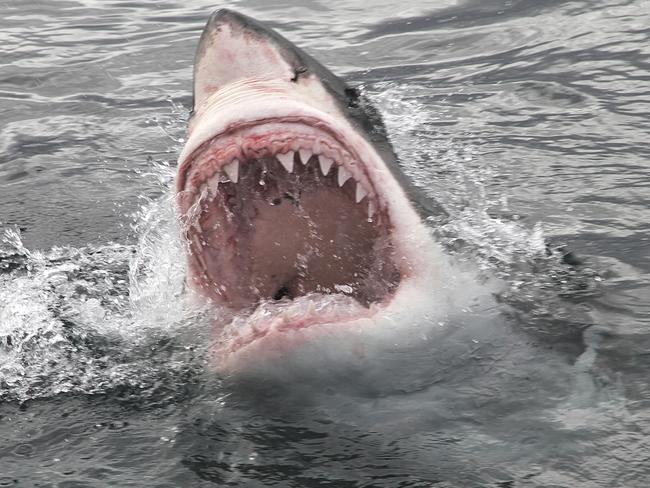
297	72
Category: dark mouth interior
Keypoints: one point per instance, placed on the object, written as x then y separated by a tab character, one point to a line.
279	235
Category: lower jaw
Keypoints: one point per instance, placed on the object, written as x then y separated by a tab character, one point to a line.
278	322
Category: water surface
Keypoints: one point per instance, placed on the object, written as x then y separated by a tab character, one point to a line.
527	120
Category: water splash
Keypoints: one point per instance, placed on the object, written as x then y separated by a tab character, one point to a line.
157	268
93	319
481	227
88	320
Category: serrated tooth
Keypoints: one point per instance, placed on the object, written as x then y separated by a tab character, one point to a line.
305	155
325	164
371	209
287	160
203	192
344	175
232	170
361	192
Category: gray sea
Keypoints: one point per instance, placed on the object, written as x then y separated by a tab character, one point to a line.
527	120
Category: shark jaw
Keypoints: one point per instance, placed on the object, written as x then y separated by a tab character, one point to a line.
292	216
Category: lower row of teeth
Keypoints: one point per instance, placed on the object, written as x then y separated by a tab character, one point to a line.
231	171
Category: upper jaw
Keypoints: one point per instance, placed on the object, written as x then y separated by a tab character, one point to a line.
249	101
292	140
254	118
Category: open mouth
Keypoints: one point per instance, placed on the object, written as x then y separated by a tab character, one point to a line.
283	209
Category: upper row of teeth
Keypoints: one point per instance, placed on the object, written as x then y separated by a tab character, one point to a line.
287	160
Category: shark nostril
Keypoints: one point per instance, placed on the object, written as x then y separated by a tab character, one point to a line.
297	72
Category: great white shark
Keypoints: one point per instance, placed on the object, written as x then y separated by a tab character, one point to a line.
295	210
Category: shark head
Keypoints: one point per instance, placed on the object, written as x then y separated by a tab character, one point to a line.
294	208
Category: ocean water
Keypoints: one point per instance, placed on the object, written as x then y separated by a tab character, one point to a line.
527	121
